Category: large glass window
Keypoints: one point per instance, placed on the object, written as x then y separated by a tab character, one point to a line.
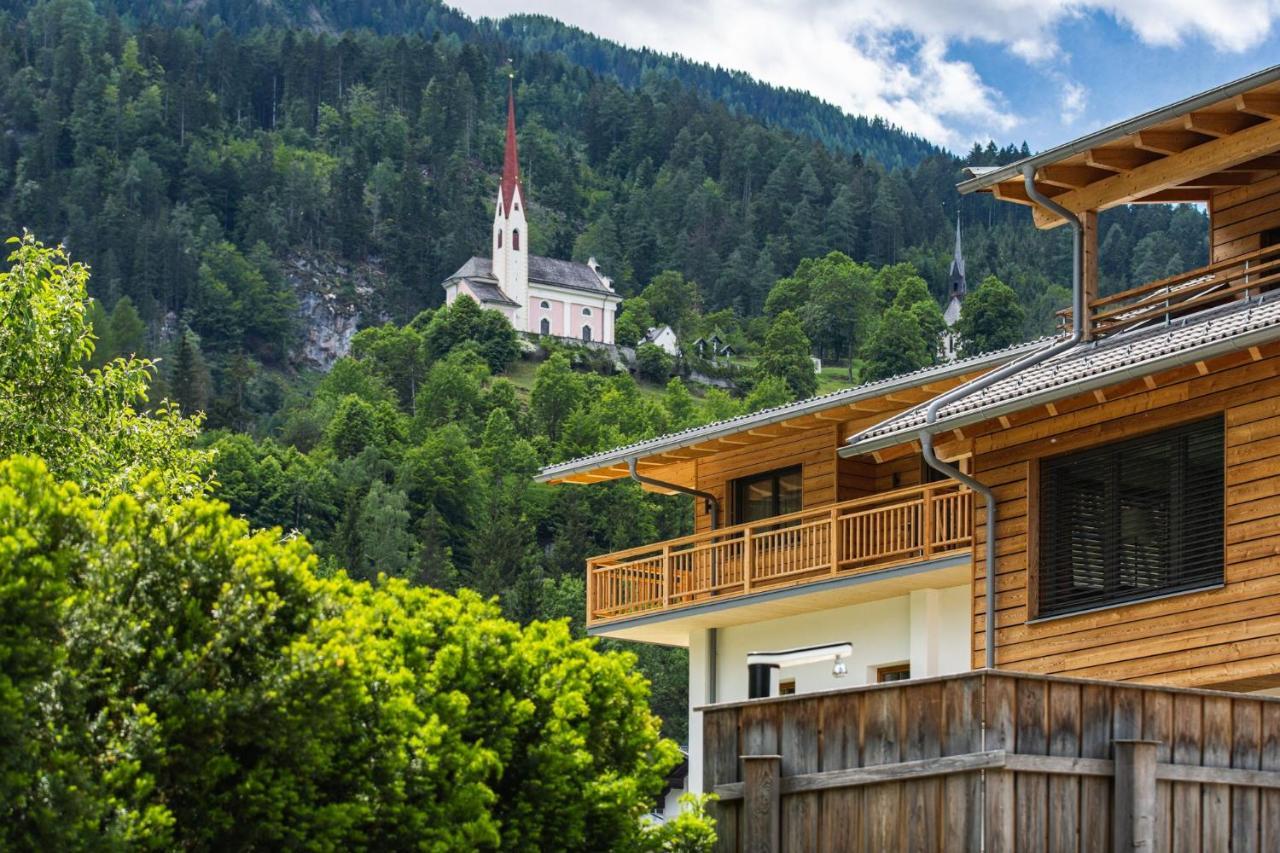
766	495
1132	520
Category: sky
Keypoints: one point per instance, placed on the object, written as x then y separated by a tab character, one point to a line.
953	71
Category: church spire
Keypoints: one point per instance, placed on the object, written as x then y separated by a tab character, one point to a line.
958	284
511	160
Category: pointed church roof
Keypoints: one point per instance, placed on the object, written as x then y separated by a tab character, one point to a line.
957	282
511	159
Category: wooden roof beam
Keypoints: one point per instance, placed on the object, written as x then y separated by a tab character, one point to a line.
1260	104
1016	192
1218	124
1071	177
1169	141
1168	172
1221	179
1267	163
1119	159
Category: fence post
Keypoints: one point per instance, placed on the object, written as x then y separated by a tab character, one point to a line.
748	559
762	803
1134	807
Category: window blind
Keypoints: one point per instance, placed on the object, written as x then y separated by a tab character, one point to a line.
1131	520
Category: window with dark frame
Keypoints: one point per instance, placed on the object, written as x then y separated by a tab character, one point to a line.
787	687
762	496
895	672
1136	519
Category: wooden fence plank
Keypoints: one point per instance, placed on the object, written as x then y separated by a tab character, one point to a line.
1246	753
962	732
1269	759
1095	742
762	781
1064	791
840	725
999	701
799	737
1157	725
1031	790
1215	751
1185	796
921	799
881	744
720	741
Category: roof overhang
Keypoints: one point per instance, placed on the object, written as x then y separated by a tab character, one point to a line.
1182	152
612	464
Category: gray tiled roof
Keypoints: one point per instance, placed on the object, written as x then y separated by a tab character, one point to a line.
694	435
570	274
489	292
1094	365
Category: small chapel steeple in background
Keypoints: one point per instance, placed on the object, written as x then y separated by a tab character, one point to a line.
957	288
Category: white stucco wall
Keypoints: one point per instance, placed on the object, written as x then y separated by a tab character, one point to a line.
928	628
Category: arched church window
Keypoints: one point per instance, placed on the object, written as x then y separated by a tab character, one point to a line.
515	239
586	333
545	326
544	305
499	239
586	312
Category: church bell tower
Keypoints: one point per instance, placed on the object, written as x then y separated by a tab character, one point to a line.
510	229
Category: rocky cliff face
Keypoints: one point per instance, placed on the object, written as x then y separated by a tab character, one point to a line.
332	299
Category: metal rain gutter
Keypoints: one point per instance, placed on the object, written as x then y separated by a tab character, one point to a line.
1124	128
931	413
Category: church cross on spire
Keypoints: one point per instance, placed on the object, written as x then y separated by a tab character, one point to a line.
511	159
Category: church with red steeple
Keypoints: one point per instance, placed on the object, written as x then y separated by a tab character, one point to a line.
542	296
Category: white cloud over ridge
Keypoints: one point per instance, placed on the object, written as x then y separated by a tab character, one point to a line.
890	57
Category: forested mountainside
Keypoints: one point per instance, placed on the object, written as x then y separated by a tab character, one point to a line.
220	179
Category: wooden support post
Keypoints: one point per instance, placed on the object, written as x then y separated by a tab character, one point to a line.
591	590
748	559
1089	273
762	803
1134	806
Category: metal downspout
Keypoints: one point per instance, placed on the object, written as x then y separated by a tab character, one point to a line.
713	510
987	380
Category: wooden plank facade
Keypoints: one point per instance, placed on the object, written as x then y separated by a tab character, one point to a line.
1008	761
1224	636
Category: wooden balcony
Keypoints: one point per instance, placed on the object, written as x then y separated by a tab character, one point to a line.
851	537
1168	298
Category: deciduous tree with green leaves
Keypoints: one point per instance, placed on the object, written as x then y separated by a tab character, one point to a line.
991	318
92	426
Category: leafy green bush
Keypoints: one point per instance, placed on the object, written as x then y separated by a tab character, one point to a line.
653	363
183	682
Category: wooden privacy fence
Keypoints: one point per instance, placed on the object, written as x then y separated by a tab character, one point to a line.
860	535
997	761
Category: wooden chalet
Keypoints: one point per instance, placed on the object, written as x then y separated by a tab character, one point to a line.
1123	480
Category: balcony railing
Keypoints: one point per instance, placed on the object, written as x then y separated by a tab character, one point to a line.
906	525
1181	294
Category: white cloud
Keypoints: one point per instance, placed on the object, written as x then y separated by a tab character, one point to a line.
889	57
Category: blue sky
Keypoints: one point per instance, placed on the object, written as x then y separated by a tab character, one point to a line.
1043	71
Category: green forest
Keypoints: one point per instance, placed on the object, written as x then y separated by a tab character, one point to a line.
193	155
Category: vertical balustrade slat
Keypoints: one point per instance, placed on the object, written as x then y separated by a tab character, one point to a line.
927	508
667	576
